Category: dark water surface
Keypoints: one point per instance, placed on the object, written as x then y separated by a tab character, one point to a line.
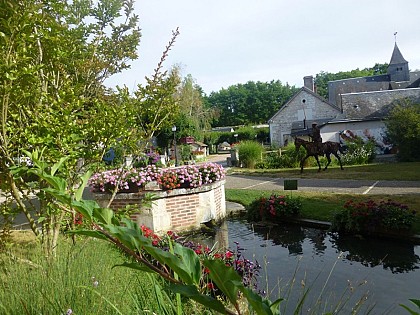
381	273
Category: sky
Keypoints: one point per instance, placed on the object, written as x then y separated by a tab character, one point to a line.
224	43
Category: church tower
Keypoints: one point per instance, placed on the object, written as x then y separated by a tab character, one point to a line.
398	67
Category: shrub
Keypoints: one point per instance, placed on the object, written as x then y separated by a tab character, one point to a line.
403	130
288	158
370	216
359	152
249	153
274	206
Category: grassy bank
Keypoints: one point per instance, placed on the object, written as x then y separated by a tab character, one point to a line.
322	206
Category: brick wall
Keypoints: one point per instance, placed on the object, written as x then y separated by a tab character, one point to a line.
177	210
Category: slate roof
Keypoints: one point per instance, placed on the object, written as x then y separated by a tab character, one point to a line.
397	56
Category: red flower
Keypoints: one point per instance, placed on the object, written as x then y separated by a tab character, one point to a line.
228	254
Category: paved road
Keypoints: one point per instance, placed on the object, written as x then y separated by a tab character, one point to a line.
325	185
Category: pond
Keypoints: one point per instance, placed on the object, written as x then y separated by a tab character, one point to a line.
338	272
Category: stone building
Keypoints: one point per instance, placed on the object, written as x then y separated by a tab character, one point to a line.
362	103
299	112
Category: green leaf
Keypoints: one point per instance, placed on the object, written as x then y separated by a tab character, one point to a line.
85	207
259	305
416	302
79	192
190	260
225	278
57	165
54	181
104	215
190	291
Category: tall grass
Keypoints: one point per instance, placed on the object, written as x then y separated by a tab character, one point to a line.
82	279
249	153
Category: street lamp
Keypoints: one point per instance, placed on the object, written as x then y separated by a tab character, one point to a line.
176	154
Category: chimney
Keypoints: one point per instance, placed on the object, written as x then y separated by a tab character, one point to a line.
308	82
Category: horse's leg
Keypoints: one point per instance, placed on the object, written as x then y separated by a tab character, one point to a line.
319	164
301	163
339	160
328	159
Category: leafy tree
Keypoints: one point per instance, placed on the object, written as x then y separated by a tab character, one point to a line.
249	103
56	55
322	78
403	130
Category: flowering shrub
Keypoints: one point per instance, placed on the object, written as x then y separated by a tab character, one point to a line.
359	152
125	179
274	207
368	217
189	176
248	270
168	180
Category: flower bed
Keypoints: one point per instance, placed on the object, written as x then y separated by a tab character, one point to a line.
371	217
189	176
274	207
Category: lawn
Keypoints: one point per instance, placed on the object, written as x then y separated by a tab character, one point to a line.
380	171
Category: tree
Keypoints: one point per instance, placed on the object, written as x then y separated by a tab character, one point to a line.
56	55
403	130
249	103
322	78
195	116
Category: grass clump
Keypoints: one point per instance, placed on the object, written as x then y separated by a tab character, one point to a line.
249	153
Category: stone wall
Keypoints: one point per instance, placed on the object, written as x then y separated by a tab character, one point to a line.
177	210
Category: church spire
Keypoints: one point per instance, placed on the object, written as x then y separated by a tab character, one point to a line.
397	56
398	67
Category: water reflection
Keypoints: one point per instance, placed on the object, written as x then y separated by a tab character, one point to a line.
394	256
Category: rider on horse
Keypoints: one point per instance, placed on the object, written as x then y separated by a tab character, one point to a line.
316	137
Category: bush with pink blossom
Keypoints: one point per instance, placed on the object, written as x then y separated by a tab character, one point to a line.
188	176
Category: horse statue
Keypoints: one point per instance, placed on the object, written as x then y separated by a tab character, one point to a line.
314	149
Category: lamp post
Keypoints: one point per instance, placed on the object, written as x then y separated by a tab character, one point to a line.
176	154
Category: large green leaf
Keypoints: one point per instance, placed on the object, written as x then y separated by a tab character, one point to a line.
190	291
225	278
190	260
103	215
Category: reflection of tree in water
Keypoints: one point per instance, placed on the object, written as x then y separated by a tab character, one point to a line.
398	257
317	238
288	236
